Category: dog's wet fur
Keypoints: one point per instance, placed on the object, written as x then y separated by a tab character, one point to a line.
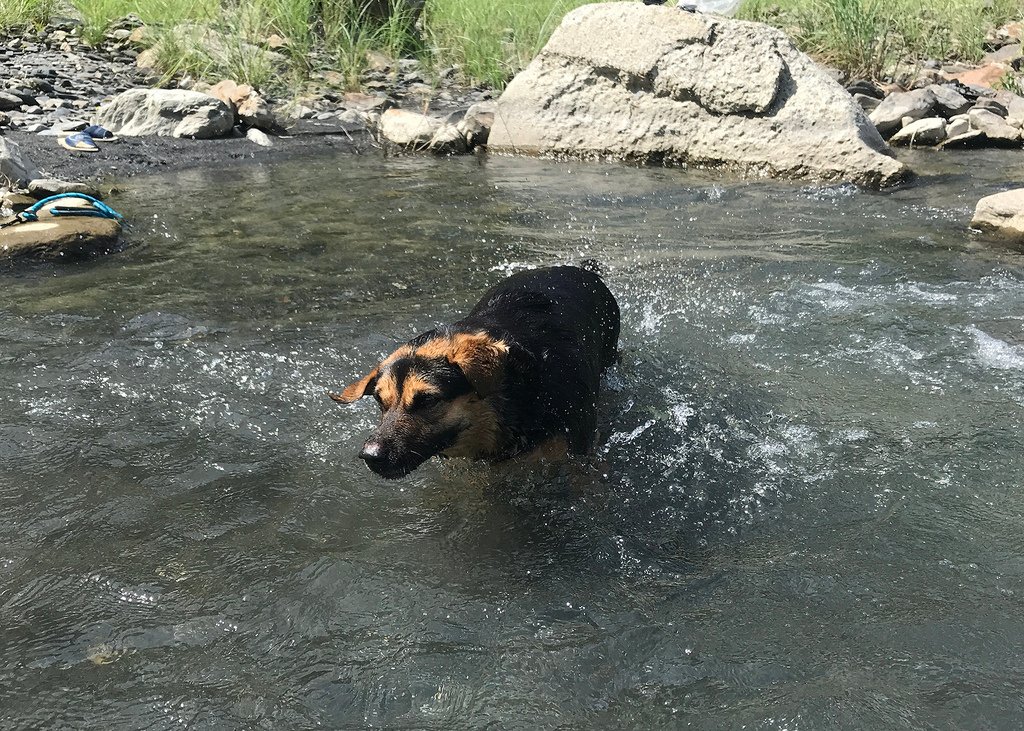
520	374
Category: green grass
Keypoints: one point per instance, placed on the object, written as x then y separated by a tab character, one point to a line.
19	13
491	40
870	37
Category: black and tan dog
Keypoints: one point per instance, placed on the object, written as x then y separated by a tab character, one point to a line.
520	373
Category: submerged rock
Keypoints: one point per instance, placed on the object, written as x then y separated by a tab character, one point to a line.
166	113
653	84
1001	214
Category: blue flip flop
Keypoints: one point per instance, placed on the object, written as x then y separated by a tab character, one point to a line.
79	142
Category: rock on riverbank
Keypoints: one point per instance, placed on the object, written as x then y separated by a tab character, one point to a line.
660	85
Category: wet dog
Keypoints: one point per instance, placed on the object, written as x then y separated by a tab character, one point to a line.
520	373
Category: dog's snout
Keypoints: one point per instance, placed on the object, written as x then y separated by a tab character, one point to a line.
372	452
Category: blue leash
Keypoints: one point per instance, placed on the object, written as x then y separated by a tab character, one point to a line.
99	209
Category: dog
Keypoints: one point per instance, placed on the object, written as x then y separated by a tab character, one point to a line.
518	375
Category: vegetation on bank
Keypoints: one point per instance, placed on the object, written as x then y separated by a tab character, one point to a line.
870	38
488	40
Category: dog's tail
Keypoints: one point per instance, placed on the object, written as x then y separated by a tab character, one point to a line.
593	266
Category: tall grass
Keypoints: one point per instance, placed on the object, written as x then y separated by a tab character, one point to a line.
870	37
491	41
17	13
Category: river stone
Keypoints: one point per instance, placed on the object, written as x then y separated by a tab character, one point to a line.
408	129
1002	214
993	106
259	137
166	113
888	117
251	109
929	131
867	103
60	237
448	140
948	101
958	125
653	84
14	167
476	123
44	187
994	127
9	102
966	141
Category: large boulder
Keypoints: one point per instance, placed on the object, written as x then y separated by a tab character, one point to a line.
656	84
14	167
166	113
1001	214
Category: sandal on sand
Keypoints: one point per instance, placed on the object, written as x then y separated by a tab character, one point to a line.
79	142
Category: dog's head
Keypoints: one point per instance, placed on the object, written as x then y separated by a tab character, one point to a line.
434	395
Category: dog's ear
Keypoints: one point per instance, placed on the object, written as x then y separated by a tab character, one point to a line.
355	391
481	358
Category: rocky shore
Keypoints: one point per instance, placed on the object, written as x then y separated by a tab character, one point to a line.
707	106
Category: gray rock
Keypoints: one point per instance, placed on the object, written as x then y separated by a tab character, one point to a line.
993	127
948	101
958	125
1001	214
9	102
966	141
867	103
993	106
889	115
166	113
653	84
928	131
43	187
14	167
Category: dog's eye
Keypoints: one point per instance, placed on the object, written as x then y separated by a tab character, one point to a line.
424	401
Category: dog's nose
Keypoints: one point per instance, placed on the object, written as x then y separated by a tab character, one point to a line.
372	452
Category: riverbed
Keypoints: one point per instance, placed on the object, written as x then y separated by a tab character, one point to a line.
804	509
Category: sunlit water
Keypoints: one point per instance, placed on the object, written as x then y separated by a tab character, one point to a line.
805	510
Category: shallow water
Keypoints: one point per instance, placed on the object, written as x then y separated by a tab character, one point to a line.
805	510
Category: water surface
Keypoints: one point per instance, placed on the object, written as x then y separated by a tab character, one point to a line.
804	511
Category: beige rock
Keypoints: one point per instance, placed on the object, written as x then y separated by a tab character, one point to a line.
994	127
1002	214
251	109
930	131
61	237
653	84
408	129
986	75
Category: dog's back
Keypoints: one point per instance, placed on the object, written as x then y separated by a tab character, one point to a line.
566	324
